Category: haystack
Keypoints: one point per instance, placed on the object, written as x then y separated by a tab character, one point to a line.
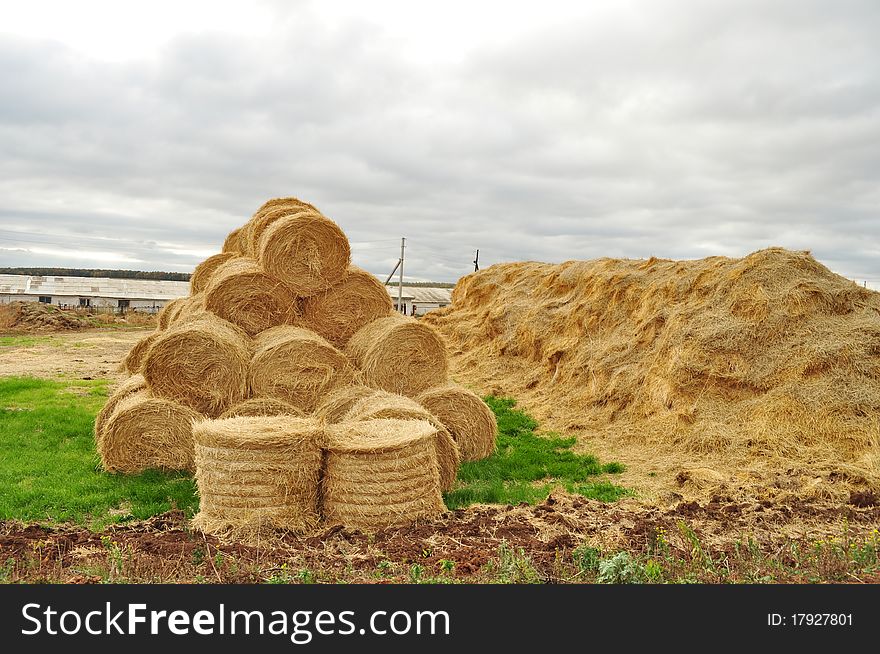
146	432
243	294
129	387
255	472
471	423
201	276
337	313
164	317
202	364
269	213
336	404
306	251
381	404
381	473
296	366
134	360
400	355
186	310
261	406
233	243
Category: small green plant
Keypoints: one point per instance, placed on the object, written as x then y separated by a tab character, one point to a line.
653	571
114	556
446	566
280	576
586	558
621	569
416	572
514	566
306	576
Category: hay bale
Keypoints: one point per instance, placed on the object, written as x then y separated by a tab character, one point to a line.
296	366
202	364
306	251
261	406
129	387
242	293
337	313
335	405
145	432
269	213
381	473
400	355
191	308
201	276
233	243
255	472
166	315
134	360
390	405
471	423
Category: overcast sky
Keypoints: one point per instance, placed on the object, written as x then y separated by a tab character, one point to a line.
137	135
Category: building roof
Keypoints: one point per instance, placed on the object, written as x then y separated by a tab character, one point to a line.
133	289
424	294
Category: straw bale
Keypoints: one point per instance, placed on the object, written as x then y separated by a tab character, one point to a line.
189	309
381	473
261	406
146	432
305	250
336	404
129	387
233	243
399	354
167	313
381	404
258	472
134	360
337	313
242	293
763	363
201	276
471	423
202	364
269	213
297	366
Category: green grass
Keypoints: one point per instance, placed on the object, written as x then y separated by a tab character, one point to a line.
49	470
24	341
527	466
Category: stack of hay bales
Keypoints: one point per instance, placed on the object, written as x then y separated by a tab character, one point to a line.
292	388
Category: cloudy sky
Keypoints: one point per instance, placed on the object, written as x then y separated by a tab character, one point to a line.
137	135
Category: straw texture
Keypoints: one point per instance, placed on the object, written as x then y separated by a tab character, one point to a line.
134	360
129	387
262	406
471	423
201	276
336	404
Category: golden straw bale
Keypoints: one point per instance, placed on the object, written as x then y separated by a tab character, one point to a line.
233	244
261	406
471	423
380	473
306	250
297	366
167	313
192	308
201	276
146	432
269	213
255	472
242	293
337	313
134	360
129	387
202	364
336	404
390	405
399	354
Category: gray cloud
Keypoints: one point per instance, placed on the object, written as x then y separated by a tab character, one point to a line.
674	129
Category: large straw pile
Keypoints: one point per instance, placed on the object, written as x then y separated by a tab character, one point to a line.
280	328
762	367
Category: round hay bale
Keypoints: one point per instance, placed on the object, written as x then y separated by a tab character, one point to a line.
337	313
400	355
255	472
261	406
201	276
233	244
130	386
469	420
242	293
296	366
166	315
191	308
306	251
269	213
134	360
146	432
381	473
381	404
335	405
202	364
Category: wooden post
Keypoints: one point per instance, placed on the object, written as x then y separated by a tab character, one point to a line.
400	284
477	261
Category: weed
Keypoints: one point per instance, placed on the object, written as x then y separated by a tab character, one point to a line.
621	569
586	558
513	566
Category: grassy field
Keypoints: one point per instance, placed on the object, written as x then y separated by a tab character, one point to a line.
50	471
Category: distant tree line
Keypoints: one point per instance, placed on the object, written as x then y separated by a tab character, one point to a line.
97	272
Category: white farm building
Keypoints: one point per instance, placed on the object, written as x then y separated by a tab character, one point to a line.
150	296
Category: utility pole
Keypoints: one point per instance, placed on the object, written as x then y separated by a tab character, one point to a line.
400	284
477	261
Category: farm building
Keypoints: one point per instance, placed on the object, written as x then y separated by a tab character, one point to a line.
418	300
96	292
